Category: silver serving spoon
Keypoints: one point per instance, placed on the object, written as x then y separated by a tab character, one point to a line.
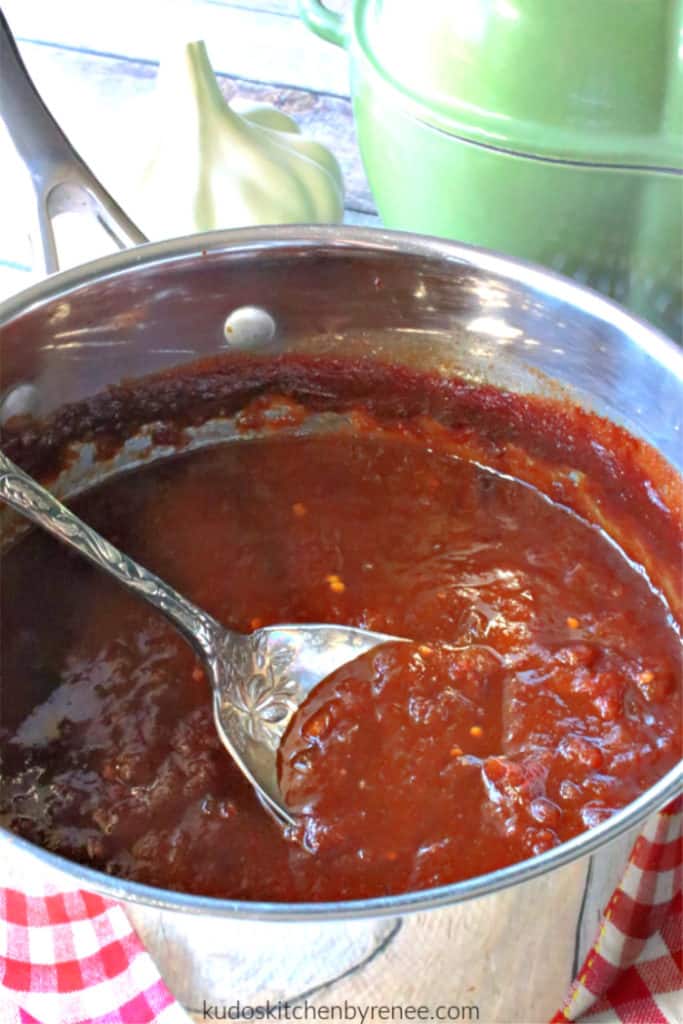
258	680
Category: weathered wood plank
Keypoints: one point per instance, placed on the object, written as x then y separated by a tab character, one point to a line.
288	8
242	41
103	102
103	105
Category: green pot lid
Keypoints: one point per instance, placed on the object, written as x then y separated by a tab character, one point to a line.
595	81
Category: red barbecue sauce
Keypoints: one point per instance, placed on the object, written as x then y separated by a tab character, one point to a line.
540	694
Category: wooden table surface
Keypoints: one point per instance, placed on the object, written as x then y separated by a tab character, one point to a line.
95	66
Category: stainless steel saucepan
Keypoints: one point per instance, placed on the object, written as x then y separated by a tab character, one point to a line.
508	942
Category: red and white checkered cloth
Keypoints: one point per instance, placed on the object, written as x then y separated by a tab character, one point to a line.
71	957
634	972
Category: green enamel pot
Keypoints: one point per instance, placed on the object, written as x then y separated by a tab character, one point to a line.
551	130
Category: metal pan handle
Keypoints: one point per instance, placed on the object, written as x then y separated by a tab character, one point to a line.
61	179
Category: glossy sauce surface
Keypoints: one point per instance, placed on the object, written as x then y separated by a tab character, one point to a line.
540	693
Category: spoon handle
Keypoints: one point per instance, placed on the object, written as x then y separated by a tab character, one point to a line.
30	499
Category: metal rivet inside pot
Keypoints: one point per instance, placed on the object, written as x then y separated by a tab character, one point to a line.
21	400
248	327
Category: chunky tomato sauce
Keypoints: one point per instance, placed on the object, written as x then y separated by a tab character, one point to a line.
541	691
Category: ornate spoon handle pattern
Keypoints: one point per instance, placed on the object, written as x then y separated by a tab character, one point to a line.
258	680
33	501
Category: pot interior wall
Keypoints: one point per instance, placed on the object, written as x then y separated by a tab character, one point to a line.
436	311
